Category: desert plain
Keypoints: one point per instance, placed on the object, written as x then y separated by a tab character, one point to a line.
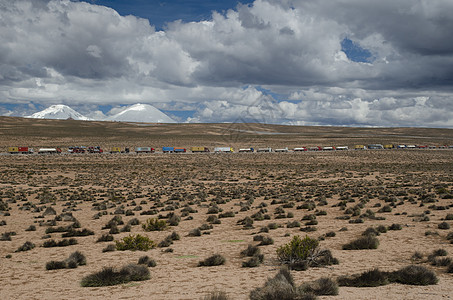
329	196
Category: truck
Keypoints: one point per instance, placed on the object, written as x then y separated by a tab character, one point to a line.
96	149
168	149
49	150
199	149
144	150
223	150
242	150
268	149
300	149
328	148
77	149
359	147
20	150
115	150
282	150
342	148
180	150
375	146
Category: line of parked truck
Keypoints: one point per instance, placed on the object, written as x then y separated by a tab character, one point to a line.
98	149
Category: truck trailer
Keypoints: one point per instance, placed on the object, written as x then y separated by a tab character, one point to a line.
20	150
199	149
223	150
144	150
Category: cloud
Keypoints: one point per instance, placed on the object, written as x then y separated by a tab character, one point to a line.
83	54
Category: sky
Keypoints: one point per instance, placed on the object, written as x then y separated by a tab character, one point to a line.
340	63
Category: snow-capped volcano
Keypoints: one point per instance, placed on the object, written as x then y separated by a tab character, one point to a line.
141	113
59	111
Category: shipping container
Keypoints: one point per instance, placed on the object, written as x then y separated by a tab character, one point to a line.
199	149
144	150
168	149
20	150
180	150
223	149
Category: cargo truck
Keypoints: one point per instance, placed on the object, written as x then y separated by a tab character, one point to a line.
246	150
168	149
49	150
223	150
180	150
282	150
199	149
264	149
300	149
144	150
20	150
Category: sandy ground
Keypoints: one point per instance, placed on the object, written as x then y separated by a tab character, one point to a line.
197	181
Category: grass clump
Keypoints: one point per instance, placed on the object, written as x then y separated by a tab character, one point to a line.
135	242
216	295
280	287
365	242
73	261
411	275
105	238
146	260
26	246
154	224
321	287
109	276
297	250
214	260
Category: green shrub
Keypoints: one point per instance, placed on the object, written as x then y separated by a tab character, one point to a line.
254	261
109	248
109	276
154	224
251	251
395	227
78	258
297	250
75	259
73	232
214	260
365	242
135	242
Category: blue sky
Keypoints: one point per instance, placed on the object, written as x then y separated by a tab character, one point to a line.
380	63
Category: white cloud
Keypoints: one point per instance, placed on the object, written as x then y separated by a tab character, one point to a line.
83	54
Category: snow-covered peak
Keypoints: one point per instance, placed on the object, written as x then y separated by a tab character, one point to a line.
141	113
58	111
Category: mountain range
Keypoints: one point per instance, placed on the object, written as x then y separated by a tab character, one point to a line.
141	113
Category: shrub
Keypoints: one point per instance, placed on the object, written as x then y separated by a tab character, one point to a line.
135	242
251	251
395	227
146	260
216	295
133	222
213	220
281	287
321	287
450	268
369	278
443	225
31	228
371	231
109	248
109	276
330	234
228	214
297	250
105	238
365	242
154	224
26	246
72	232
214	260
78	258
415	275
195	232
436	253
55	265
381	229
254	261
444	261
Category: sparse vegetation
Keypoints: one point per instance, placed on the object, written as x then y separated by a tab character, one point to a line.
135	242
110	276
